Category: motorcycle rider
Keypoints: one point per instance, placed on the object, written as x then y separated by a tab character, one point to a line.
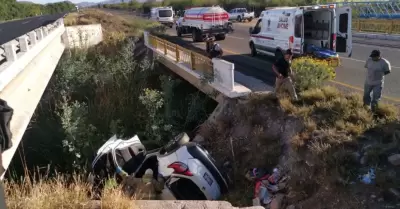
213	49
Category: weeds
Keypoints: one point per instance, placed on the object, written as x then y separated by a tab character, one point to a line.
60	192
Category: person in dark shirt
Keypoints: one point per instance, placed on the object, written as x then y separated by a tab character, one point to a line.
213	49
283	72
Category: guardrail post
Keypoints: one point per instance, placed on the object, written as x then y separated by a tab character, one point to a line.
45	31
165	47
32	38
177	53
192	60
11	51
23	43
39	33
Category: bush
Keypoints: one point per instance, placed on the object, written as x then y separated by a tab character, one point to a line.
311	73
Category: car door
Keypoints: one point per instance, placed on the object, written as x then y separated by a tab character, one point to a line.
298	43
344	39
255	35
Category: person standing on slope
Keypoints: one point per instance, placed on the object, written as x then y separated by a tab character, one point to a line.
283	72
377	68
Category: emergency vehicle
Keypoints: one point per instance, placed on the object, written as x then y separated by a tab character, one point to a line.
204	21
164	15
324	28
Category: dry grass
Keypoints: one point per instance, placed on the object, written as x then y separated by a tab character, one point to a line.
115	27
58	192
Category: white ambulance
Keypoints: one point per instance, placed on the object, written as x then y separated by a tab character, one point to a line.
203	21
164	15
323	26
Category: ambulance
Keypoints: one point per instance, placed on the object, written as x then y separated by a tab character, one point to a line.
201	22
326	29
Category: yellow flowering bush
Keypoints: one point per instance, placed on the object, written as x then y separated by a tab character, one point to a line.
310	72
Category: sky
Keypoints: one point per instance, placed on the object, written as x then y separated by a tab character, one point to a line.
52	1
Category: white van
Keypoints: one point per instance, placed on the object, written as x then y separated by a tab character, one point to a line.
164	15
282	28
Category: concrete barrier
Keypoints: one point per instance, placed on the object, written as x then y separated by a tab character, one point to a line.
223	76
17	54
27	79
82	36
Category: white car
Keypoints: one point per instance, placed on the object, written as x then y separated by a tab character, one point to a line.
241	14
188	170
164	15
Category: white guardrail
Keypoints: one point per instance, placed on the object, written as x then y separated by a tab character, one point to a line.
20	50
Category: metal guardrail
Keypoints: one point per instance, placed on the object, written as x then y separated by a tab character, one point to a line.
377	25
192	59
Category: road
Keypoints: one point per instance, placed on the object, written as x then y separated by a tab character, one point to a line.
349	76
13	29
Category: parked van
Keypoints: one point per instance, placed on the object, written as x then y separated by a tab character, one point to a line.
324	27
164	15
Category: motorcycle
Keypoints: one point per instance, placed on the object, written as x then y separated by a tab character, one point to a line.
187	170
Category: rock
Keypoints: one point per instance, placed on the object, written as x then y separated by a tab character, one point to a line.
373	196
380	199
394	159
276	203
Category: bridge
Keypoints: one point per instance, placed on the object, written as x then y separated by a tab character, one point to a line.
31	48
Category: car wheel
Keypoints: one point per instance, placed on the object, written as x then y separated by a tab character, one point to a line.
178	32
195	36
250	19
176	142
253	49
220	37
239	19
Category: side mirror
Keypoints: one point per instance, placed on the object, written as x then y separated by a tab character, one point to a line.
250	30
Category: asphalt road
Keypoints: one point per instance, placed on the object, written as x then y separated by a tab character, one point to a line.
13	29
350	75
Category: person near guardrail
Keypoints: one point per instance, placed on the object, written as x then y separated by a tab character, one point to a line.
283	73
6	113
377	67
213	49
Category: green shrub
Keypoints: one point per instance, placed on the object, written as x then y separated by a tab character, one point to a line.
311	73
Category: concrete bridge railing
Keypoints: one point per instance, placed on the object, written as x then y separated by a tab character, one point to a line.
26	66
196	68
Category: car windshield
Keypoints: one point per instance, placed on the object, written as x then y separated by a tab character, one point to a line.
165	13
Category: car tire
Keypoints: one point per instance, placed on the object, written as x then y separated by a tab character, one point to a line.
196	36
250	19
220	37
176	142
178	32
253	49
239	18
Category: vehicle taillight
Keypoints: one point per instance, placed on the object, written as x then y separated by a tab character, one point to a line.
216	16
333	41
180	168
291	40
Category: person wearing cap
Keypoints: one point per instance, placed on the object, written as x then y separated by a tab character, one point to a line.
283	72
377	68
213	49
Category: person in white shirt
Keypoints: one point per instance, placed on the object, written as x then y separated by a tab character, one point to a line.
377	67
